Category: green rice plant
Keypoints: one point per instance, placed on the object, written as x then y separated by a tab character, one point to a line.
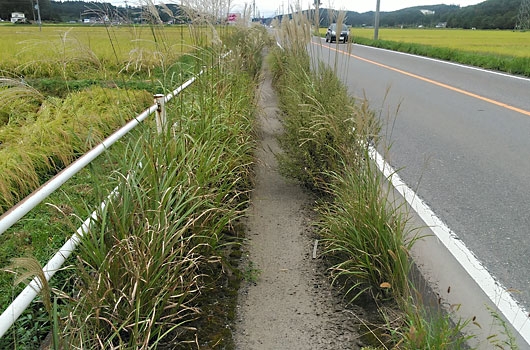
494	42
102	53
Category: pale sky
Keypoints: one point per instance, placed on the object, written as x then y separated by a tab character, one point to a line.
268	8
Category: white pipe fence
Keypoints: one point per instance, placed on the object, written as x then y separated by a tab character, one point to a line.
22	301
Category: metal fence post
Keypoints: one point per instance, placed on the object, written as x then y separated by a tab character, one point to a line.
161	122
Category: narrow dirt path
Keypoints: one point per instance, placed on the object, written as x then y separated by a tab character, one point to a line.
290	305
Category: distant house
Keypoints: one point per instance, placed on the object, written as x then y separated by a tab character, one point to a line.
17	16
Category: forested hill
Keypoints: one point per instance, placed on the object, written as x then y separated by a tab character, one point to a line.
65	11
490	14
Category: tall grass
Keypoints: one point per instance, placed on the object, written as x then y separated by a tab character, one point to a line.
139	266
365	231
154	248
326	148
179	192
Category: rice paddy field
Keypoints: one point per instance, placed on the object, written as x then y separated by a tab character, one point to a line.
28	51
496	42
505	51
500	42
41	69
17	41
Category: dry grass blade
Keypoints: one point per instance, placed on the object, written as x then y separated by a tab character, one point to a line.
25	270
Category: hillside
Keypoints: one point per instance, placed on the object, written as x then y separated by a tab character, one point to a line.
490	14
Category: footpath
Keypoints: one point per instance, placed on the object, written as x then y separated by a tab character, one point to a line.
287	301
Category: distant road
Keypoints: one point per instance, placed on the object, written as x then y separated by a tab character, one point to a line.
461	139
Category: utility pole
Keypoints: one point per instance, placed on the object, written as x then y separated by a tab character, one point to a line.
317	4
376	24
38	16
126	12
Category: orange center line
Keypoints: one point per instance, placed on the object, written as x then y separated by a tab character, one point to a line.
437	83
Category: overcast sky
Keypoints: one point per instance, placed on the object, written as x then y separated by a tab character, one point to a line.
268	8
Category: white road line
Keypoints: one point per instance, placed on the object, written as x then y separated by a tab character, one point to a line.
506	75
512	311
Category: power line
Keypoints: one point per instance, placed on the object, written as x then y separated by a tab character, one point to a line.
523	18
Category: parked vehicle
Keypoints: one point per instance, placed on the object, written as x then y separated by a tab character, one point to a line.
331	34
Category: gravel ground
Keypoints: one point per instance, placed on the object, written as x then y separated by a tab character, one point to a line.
287	301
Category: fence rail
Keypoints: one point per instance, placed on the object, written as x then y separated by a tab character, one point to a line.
8	219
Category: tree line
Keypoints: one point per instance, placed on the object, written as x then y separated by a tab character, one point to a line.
57	11
490	14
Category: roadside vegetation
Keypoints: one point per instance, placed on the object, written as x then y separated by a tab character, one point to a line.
365	230
158	268
510	56
505	51
493	42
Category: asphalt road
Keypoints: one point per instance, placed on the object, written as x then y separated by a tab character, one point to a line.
461	138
